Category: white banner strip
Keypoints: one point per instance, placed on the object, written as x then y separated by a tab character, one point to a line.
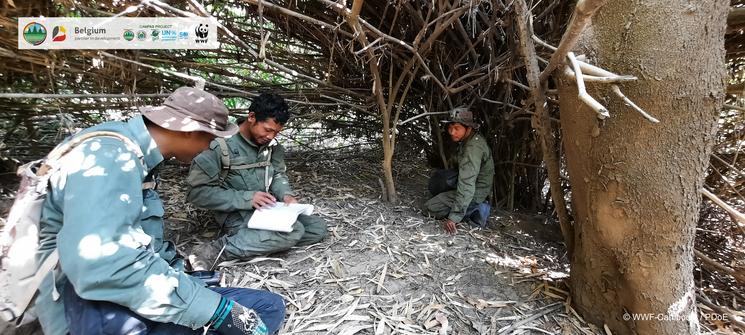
117	33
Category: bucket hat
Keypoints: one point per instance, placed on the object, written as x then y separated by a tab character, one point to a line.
192	109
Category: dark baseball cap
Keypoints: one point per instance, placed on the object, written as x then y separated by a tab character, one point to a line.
192	109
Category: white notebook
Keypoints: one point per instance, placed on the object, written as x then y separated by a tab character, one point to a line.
279	217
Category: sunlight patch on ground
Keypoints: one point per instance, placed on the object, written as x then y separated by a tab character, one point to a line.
507	261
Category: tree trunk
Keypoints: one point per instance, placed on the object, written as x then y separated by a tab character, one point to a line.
390	186
635	185
388	140
542	122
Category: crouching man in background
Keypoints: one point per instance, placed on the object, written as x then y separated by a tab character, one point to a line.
461	196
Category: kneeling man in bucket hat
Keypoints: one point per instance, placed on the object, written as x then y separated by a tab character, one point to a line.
116	274
461	195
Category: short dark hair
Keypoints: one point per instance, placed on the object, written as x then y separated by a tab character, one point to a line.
269	105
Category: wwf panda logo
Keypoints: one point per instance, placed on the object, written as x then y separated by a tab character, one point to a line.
202	30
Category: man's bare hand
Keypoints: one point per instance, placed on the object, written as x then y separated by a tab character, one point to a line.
262	199
288	199
449	226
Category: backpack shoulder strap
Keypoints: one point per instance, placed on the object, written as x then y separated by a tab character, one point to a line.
267	177
77	140
13	312
224	158
226	162
250	166
265	163
58	152
65	148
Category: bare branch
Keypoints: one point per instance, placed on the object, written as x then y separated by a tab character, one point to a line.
628	101
732	317
604	80
541	42
582	16
586	98
420	115
732	211
711	264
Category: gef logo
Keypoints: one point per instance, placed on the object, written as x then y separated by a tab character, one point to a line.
202	31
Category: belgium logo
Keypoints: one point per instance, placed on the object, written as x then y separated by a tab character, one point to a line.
34	33
59	34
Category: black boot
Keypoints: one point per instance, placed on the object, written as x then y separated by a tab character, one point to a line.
206	256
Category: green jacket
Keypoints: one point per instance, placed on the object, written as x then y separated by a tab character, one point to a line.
109	234
475	175
232	196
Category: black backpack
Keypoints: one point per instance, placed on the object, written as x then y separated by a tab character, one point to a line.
443	181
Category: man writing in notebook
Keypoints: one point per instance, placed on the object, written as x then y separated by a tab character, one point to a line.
243	173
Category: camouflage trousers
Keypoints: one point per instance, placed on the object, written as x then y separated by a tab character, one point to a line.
242	242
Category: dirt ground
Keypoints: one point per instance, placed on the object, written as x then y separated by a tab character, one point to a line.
388	269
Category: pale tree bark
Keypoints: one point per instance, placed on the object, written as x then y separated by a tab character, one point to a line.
635	184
